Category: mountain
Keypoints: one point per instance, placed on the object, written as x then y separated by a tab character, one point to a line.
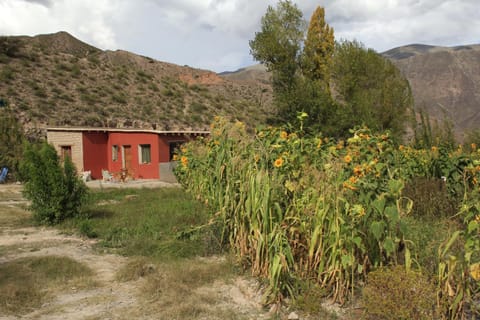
257	72
445	81
56	79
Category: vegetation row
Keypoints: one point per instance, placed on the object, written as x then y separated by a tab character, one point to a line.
313	211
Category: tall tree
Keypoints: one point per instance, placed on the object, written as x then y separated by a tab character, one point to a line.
319	48
370	88
278	45
366	88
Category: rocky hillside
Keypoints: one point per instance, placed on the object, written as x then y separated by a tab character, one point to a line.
445	81
58	80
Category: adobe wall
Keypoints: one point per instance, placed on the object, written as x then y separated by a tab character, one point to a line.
73	139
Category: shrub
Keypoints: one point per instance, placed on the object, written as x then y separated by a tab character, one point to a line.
55	191
393	293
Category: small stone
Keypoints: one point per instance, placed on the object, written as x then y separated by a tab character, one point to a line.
293	316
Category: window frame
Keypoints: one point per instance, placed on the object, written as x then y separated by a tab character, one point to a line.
145	153
65	150
115	151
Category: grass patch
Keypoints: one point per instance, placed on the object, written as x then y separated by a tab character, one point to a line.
183	290
427	234
25	283
14	216
153	223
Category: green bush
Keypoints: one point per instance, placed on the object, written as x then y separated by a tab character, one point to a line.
393	293
55	191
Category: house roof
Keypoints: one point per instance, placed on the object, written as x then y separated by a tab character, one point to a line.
129	130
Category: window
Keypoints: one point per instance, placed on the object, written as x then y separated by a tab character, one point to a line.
144	153
114	153
65	151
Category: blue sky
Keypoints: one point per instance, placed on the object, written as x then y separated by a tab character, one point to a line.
214	34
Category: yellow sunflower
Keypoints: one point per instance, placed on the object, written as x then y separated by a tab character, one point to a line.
348	158
278	163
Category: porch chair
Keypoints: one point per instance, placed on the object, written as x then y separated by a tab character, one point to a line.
107	176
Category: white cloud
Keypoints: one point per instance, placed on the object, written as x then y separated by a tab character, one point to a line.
87	19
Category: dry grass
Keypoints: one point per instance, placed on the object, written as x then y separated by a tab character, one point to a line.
25	284
184	289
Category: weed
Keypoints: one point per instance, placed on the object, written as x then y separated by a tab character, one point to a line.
137	268
24	283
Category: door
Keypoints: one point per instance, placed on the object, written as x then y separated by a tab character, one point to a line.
127	158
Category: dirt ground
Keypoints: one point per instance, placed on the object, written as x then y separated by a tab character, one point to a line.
109	298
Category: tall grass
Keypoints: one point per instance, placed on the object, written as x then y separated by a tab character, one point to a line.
297	208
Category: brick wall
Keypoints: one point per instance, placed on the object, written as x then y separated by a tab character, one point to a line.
72	139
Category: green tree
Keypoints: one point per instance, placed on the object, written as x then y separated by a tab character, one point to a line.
55	191
371	90
279	47
11	139
319	48
339	85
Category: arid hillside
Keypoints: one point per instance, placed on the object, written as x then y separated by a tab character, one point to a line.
445	81
58	80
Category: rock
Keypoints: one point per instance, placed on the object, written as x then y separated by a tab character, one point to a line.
293	316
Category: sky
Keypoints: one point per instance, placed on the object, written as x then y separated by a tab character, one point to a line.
214	34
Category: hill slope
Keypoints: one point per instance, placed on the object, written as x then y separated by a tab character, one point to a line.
445	81
56	79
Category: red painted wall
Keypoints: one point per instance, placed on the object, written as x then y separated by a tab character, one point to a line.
95	153
139	170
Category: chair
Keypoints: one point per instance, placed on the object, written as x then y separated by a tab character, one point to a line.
3	174
107	176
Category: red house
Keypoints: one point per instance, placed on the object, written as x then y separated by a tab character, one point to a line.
136	153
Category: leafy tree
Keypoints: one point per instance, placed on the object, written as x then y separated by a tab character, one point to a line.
56	192
319	48
278	46
370	88
339	85
11	139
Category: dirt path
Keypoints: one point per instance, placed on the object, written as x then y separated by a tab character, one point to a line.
107	298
